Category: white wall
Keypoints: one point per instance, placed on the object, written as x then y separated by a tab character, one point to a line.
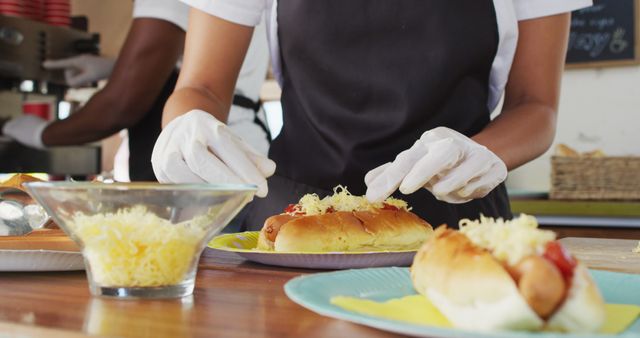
109	18
599	109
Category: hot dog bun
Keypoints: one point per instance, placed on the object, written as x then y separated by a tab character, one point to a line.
583	309
349	231
456	275
479	290
343	222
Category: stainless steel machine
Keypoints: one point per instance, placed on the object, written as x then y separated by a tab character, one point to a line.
24	45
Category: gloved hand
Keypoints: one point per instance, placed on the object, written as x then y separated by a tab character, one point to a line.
26	129
83	69
451	166
196	147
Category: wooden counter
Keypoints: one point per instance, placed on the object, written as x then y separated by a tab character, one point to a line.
233	298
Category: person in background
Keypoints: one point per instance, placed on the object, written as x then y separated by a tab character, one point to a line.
140	82
378	96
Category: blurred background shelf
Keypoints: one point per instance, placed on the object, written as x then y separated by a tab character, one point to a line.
585	214
576	208
578	221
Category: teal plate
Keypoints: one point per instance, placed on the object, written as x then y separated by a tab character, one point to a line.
314	292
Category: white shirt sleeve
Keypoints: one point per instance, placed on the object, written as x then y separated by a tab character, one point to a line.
255	65
242	12
169	10
530	9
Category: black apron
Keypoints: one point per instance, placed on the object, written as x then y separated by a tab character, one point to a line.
363	79
143	135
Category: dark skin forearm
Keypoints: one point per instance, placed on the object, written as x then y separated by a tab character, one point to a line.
526	126
146	61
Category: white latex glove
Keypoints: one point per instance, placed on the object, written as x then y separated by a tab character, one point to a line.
196	147
26	129
451	166
83	69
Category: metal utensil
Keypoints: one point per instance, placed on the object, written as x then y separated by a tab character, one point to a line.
20	214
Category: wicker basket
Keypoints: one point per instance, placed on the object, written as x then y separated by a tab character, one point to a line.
600	178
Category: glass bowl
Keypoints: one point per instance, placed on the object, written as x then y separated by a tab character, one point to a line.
141	240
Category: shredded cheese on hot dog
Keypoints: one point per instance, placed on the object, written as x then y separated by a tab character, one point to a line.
342	200
508	241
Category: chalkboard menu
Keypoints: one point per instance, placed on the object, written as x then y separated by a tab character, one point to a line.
604	34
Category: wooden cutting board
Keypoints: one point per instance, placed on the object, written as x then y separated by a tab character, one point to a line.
605	254
41	239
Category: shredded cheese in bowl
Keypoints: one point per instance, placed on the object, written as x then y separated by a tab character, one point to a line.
342	200
136	248
509	241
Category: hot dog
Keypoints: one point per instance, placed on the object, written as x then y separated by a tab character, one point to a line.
540	283
343	222
495	275
270	230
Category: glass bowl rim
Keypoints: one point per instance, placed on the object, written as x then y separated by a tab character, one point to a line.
140	186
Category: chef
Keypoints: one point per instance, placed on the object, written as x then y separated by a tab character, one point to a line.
380	96
139	84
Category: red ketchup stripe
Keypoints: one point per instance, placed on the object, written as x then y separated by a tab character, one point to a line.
561	258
